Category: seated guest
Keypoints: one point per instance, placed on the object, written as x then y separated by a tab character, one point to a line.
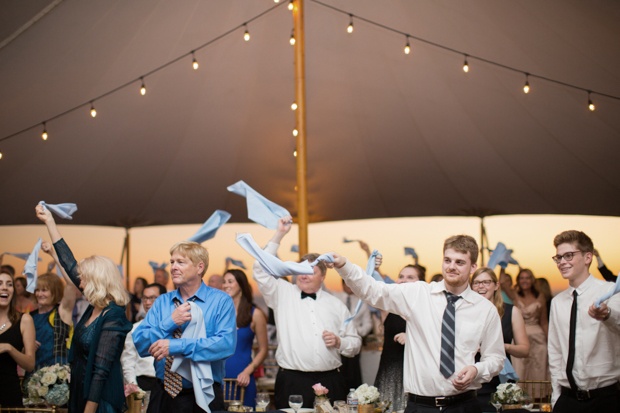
216	281
17	346
161	333
136	299
584	341
96	376
311	330
484	282
251	322
140	370
25	301
162	277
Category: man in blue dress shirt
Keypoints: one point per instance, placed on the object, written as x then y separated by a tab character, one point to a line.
159	334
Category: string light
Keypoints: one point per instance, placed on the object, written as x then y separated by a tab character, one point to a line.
295	132
526	88
194	63
246	36
295	154
290	5
93	112
44	134
276	1
407	47
0	155
294	106
350	27
590	104
465	65
143	88
292	41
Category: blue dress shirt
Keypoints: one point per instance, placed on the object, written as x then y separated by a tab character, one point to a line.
220	322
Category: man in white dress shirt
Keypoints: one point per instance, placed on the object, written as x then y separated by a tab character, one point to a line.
140	370
584	341
447	324
311	333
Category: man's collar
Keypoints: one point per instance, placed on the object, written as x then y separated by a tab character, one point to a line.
468	294
583	287
201	294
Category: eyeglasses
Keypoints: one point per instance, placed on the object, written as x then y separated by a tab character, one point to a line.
486	283
567	256
145	298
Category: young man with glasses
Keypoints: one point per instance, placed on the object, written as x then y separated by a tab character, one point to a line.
584	341
140	370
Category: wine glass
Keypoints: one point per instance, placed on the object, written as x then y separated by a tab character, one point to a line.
527	402
382	404
497	405
295	401
262	401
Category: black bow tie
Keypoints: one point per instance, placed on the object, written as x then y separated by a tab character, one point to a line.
311	295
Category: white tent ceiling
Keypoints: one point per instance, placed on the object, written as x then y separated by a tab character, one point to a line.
389	134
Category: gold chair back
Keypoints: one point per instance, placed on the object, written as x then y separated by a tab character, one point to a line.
53	409
540	391
232	391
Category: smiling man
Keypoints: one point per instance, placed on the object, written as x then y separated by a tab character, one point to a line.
160	334
311	334
447	324
584	341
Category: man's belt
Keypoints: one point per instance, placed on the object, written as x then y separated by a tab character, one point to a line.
591	394
442	401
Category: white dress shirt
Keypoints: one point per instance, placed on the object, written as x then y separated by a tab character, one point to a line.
422	305
597	343
133	364
300	324
363	319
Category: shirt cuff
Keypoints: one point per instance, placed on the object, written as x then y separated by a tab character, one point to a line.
176	347
168	325
272	248
345	269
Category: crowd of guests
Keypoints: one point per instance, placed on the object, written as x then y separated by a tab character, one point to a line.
445	340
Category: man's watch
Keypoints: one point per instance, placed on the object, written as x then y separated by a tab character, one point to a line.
608	314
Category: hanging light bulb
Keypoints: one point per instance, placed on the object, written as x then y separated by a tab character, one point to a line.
0	155
526	88
295	187
407	47
295	132
44	134
246	35
276	1
143	88
194	63
93	112
292	40
294	106
295	154
590	104
465	65
290	5
350	27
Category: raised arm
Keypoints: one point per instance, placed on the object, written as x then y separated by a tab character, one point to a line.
70	295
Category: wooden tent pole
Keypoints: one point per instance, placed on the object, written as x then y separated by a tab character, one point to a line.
300	118
127	256
482	238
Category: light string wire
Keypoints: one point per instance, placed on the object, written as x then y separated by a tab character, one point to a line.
141	77
467	55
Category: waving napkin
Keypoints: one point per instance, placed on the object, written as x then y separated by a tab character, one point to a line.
370	270
62	210
234	262
210	227
155	266
411	251
295	248
30	269
346	241
260	209
199	373
22	255
271	264
508	372
501	256
608	295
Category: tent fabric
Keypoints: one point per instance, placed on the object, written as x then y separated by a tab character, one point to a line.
389	134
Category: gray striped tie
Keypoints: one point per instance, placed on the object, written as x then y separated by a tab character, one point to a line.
448	333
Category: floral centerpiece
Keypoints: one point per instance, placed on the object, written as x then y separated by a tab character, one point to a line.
321	402
367	396
134	395
509	395
49	385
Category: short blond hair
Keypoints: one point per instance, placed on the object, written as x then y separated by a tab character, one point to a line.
463	244
194	251
104	283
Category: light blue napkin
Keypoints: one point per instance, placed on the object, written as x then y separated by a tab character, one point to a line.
210	227
501	256
155	266
271	264
610	294
30	269
237	263
346	241
508	372
62	210
329	257
370	270
295	248
411	251
22	255
120	269
260	209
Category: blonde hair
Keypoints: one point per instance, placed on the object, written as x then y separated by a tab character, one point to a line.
104	283
194	251
497	300
463	244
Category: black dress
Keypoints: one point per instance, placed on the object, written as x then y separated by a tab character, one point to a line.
389	379
10	393
487	389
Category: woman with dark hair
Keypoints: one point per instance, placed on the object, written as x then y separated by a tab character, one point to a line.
16	343
534	309
250	322
484	282
136	298
389	380
24	300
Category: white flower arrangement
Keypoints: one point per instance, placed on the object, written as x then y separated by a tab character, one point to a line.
508	393
49	385
367	394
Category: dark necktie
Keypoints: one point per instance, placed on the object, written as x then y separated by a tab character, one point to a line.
571	343
173	383
311	295
348	302
448	335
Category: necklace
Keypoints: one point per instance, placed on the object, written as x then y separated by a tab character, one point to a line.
3	325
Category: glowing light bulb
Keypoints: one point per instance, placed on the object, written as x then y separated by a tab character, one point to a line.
292	41
195	64
295	132
143	90
350	27
407	48
526	88
0	155
590	104
465	66
295	187
246	35
295	154
44	136
93	112
294	106
276	1
290	5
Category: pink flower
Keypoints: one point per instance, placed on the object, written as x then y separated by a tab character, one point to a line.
131	388
319	390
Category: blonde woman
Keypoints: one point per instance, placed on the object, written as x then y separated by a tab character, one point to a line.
95	354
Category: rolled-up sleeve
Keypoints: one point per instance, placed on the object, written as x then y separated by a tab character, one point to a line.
492	353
